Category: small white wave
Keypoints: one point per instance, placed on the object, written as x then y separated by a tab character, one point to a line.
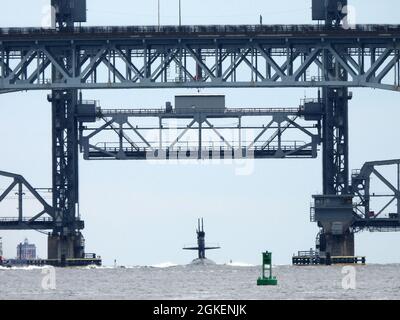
93	266
164	265
4	268
110	267
27	268
239	264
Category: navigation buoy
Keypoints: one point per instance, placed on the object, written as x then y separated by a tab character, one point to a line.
267	268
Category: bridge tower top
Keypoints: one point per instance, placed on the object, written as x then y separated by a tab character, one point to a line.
330	11
68	12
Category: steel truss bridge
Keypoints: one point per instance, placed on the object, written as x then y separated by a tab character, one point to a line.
263	141
67	58
245	56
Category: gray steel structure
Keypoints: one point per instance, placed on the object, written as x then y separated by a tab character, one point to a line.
21	222
67	58
340	216
384	219
66	240
267	140
243	56
335	161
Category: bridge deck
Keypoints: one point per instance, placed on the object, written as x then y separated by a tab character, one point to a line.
378	224
29	224
301	151
201	31
211	113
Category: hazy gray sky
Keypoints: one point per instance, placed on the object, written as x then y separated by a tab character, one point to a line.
141	213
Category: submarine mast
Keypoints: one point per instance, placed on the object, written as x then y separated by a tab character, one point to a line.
201	243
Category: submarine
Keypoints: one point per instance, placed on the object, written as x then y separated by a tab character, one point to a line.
201	246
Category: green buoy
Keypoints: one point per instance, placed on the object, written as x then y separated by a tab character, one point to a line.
267	266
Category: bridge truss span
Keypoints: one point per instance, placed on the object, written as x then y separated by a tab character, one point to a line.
19	188
372	187
147	57
184	134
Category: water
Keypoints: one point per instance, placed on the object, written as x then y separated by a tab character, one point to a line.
200	282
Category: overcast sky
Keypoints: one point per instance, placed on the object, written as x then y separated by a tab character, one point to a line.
142	214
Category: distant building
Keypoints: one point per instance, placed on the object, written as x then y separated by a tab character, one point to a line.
26	251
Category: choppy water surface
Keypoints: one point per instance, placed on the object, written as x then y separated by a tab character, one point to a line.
201	282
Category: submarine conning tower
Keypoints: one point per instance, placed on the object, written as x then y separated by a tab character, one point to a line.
201	242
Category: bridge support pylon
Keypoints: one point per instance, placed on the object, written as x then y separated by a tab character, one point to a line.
341	245
336	237
66	240
335	216
334	210
61	248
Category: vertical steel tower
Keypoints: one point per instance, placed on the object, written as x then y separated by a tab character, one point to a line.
66	240
335	167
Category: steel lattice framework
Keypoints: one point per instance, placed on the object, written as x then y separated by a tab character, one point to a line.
361	188
42	220
200	57
197	137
